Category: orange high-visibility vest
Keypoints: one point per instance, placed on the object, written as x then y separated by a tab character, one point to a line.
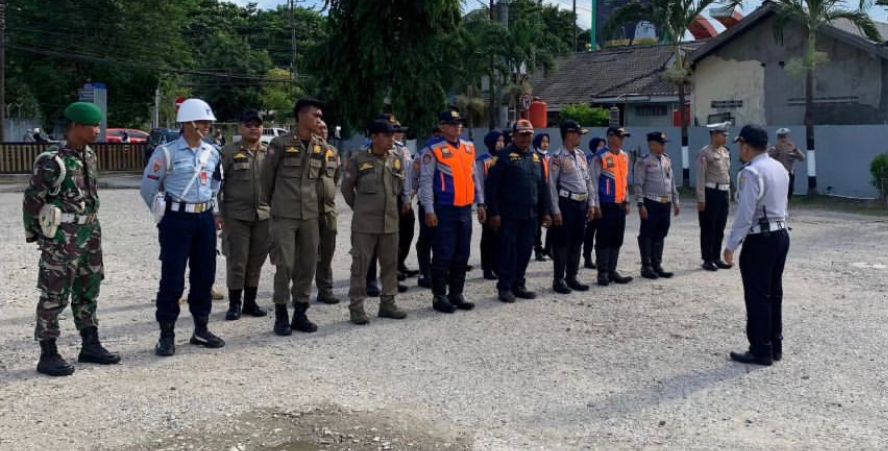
454	174
612	185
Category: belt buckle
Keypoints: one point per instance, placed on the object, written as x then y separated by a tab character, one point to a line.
664	199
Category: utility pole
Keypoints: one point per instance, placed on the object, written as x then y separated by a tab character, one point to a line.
576	36
293	38
491	82
593	32
2	70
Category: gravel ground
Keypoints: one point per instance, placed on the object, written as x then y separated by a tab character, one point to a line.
640	366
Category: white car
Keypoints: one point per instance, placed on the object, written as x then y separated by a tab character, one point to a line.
267	134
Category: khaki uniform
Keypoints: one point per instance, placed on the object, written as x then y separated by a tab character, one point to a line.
371	186
291	176
714	188
327	224
245	234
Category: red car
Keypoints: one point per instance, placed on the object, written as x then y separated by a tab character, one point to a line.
128	135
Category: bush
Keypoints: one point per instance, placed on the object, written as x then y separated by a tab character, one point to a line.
586	115
879	171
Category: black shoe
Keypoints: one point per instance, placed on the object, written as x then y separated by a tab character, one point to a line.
234	310
709	266
662	272
616	277
523	293
539	255
373	291
576	285
329	300
92	350
589	264
424	282
648	273
166	345
748	357
470	268
459	301
777	350
723	265
604	279
250	306
402	288
300	319
407	272
506	296
443	305
778	356
203	337
490	275
51	363
282	320
401	276
560	287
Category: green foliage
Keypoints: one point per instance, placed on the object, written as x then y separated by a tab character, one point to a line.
586	115
879	171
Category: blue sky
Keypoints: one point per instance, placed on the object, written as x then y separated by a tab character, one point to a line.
583	7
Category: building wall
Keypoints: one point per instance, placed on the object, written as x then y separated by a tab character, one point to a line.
649	115
752	68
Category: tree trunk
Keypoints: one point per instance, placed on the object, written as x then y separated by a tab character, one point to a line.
809	115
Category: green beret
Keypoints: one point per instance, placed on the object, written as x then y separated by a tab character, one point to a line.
84	113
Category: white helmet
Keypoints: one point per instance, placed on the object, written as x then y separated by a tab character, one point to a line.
193	110
783	131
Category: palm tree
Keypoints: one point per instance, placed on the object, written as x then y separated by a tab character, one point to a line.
672	18
813	15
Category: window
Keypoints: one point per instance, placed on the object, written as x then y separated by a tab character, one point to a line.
651	110
727	104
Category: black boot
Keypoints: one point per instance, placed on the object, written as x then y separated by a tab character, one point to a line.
234	305
575	284
520	291
490	275
457	282
750	358
440	302
166	346
615	275
203	337
250	306
560	287
51	363
282	320
539	254
300	319
603	258
424	281
644	248
657	261
92	350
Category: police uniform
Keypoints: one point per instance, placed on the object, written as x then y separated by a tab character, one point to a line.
760	225
787	154
372	185
592	224
426	234
517	193
291	176
60	209
327	227
489	236
713	187
448	188
610	194
245	234
569	186
656	191
189	180
540	248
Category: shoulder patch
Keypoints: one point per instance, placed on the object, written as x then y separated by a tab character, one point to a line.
536	158
240	156
397	164
365	167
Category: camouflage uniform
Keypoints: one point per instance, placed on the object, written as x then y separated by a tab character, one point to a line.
71	261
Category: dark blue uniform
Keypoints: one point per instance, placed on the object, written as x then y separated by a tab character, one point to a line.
516	191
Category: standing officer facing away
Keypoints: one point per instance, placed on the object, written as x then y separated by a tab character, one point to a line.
657	198
447	190
518	196
786	152
59	213
245	233
713	195
187	174
569	185
327	221
373	183
760	226
610	201
296	164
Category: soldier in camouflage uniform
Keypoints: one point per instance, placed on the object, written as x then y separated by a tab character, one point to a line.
60	207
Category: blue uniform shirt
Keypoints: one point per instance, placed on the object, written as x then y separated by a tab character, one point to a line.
172	177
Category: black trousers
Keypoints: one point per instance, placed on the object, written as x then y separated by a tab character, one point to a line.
653	231
567	239
712	224
791	185
761	266
424	246
489	244
405	238
589	239
611	229
516	239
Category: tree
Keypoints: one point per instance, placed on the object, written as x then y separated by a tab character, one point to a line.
586	115
813	15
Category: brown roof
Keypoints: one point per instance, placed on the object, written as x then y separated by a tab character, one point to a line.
583	77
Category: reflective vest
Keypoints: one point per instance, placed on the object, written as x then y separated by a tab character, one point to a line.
545	157
612	184
454	182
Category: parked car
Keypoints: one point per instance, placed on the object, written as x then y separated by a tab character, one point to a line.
159	136
267	134
130	135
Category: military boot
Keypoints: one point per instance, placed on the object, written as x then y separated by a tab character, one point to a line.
234	305
388	308
250	306
644	248
439	290
615	275
575	284
603	262
202	335
457	282
356	312
300	319
92	350
282	320
51	363
657	261
166	346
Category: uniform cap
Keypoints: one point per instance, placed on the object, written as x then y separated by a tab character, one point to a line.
659	137
450	117
721	127
83	113
390	118
522	126
250	116
381	126
783	131
618	131
754	135
571	125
